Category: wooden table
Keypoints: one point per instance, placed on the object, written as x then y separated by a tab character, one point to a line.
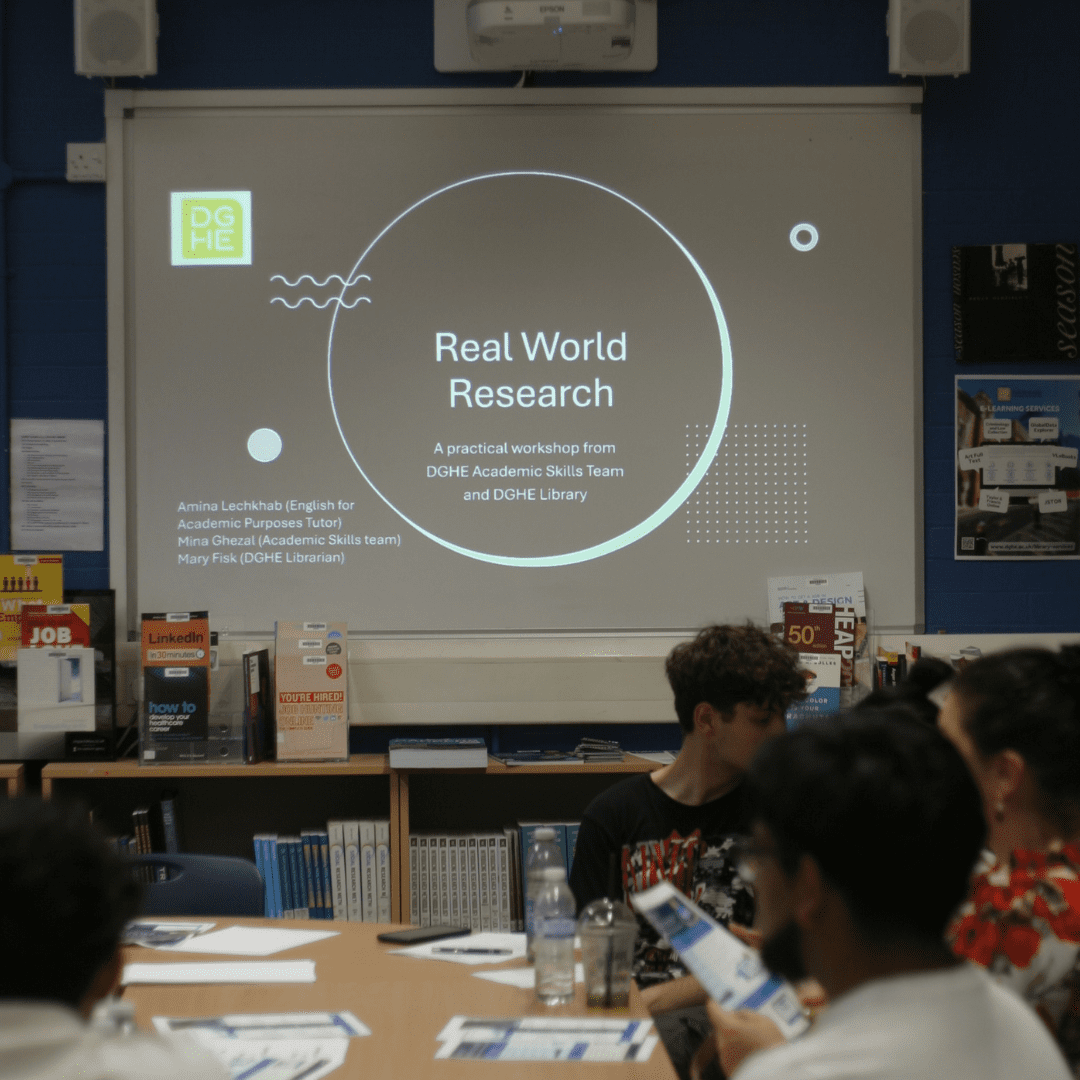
13	777
404	1001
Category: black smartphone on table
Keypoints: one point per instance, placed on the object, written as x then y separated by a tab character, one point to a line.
417	934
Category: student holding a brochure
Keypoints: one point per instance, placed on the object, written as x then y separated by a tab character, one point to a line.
864	832
65	898
732	686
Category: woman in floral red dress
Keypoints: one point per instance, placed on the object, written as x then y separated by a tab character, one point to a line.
1015	717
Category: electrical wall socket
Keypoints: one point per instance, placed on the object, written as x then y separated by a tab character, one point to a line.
85	162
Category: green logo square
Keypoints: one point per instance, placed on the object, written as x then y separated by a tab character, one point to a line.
211	227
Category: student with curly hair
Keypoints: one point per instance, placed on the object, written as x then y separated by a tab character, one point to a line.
732	686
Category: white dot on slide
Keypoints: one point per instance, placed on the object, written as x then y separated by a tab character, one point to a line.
803	237
264	444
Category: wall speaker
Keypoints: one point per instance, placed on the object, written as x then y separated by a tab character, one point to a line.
115	37
929	37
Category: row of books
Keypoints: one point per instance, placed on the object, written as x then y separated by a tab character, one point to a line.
153	829
340	872
476	879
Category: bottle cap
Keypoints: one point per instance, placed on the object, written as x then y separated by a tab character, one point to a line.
543	833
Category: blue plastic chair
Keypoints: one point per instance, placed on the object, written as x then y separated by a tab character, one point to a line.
201	885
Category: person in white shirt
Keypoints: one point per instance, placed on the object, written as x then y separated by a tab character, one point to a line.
65	898
865	830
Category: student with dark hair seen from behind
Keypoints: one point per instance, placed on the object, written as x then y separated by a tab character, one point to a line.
65	898
732	686
1015	718
864	832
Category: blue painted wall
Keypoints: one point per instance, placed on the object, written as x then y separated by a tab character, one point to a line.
1001	162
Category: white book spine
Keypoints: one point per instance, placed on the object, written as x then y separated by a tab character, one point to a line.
382	871
414	879
455	882
425	894
505	922
494	882
336	832
367	871
352	868
474	884
485	883
444	879
516	871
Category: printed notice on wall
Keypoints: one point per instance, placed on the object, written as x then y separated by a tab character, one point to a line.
1017	481
57	485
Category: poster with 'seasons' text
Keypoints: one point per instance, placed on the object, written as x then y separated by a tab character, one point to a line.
1017	481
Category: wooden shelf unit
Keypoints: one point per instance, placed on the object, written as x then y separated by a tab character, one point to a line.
223	806
462	800
13	776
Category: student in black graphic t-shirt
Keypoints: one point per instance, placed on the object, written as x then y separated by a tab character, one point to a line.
732	686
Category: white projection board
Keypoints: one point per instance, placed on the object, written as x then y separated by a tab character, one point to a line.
488	362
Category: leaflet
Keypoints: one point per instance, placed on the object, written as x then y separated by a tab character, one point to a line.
732	974
540	1038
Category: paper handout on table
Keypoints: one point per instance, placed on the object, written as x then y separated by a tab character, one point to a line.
486	948
232	971
266	1026
732	974
155	934
546	1038
522	977
251	940
279	1059
274	1046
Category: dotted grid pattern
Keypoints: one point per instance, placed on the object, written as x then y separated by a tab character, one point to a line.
756	490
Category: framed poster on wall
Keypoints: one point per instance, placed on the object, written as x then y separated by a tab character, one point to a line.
1017	482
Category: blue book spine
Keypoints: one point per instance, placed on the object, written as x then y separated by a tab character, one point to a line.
296	865
324	875
276	909
571	845
311	881
168	825
260	865
285	876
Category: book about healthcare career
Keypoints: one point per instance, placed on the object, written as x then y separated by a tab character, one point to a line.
176	675
26	579
55	626
311	670
731	972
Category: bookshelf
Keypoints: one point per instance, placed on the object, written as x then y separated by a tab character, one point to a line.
223	806
13	777
459	800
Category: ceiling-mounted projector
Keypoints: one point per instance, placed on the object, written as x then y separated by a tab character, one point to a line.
511	35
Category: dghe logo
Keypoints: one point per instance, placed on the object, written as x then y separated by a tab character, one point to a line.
211	228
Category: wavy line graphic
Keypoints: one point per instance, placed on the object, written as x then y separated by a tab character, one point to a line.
315	303
320	284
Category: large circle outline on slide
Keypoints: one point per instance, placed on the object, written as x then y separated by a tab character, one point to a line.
670	505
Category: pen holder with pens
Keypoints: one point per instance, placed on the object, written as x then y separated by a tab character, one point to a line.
608	931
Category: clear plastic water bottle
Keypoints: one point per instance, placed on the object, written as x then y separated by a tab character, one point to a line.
555	920
543	853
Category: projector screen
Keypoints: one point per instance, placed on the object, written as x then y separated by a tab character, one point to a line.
529	360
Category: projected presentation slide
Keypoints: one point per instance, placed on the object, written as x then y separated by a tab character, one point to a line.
502	367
